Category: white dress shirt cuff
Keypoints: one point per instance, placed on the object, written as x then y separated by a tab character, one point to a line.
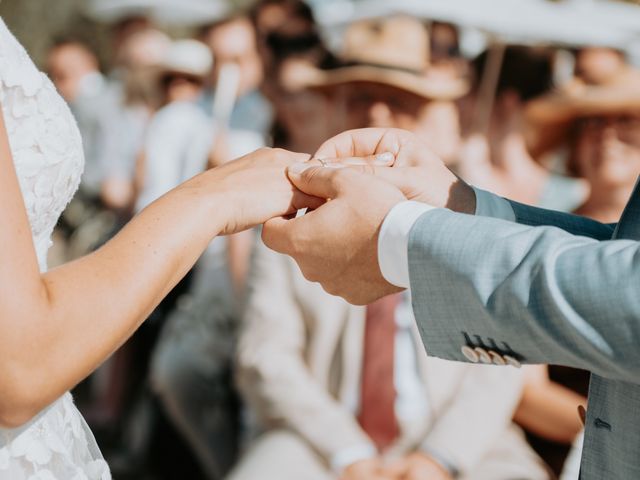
393	241
490	205
351	455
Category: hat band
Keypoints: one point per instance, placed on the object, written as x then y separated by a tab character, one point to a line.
392	68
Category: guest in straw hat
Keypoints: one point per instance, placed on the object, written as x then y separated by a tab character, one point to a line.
597	116
386	79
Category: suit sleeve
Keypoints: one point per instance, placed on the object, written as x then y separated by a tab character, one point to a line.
272	372
540	294
574	224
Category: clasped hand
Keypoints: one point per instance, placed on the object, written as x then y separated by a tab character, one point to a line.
414	466
336	244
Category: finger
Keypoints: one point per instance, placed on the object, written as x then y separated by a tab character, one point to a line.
354	143
318	181
398	176
276	234
291	157
385	159
301	200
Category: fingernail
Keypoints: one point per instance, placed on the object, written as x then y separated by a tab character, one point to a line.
385	158
298	168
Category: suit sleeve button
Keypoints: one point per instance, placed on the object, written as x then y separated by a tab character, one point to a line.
470	354
483	355
497	359
512	361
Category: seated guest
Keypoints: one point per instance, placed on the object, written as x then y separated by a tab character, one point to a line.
386	79
346	391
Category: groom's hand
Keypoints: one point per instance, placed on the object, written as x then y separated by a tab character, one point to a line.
337	244
417	172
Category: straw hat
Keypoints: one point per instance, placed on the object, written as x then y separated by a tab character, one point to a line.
187	57
550	117
391	51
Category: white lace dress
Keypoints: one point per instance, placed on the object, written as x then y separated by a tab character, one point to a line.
47	151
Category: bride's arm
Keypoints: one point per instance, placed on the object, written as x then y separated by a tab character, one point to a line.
56	328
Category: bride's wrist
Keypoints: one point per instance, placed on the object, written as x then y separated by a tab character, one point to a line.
208	200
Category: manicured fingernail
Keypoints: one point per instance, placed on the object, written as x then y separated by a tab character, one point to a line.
298	168
385	158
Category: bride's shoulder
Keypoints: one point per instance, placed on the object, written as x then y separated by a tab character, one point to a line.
16	67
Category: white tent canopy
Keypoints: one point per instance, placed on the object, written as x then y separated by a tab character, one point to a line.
570	23
165	12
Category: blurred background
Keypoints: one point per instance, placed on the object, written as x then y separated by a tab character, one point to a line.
235	375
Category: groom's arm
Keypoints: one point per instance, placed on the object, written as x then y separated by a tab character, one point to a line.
490	205
394	233
541	295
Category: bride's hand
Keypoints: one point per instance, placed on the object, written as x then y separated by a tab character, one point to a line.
255	188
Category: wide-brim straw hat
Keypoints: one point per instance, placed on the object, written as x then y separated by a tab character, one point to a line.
392	51
549	118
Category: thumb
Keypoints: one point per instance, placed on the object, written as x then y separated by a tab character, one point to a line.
311	179
322	182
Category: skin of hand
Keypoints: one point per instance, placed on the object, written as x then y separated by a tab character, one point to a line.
255	187
418	466
336	245
369	469
57	327
417	171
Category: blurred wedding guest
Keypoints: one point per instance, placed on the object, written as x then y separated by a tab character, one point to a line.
74	69
285	28
191	364
347	391
597	118
180	134
496	156
122	29
134	98
387	80
176	145
287	36
241	113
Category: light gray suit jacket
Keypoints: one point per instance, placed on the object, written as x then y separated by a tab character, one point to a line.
566	292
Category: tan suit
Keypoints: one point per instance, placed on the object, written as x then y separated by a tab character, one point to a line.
299	363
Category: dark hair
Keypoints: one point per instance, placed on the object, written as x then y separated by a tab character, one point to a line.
296	8
527	71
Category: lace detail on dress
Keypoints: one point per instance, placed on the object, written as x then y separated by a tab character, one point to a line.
47	152
44	138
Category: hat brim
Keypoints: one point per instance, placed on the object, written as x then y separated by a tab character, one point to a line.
549	118
426	86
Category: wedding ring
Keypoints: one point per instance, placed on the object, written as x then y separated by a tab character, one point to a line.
322	162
